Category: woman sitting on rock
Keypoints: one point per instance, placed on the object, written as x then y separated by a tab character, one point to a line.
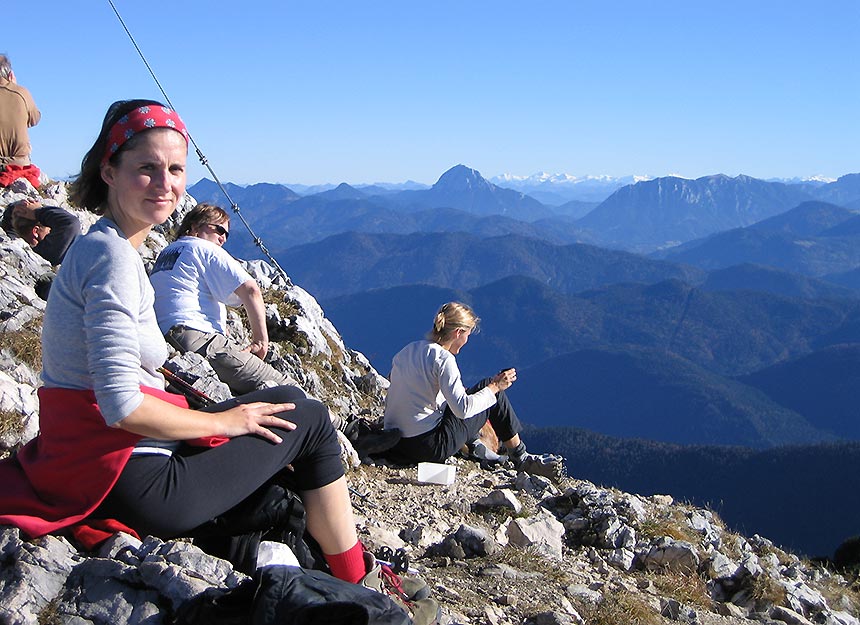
114	447
437	415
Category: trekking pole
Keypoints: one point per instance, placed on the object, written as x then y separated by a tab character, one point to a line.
357	494
185	386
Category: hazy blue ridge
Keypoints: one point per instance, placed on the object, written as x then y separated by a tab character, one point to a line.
813	239
526	322
667	211
823	386
751	277
354	262
638	392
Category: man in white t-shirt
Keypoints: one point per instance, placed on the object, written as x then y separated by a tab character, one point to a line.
193	279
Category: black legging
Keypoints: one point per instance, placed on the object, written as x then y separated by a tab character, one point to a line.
168	496
452	433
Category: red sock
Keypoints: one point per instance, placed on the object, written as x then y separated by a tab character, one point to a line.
349	565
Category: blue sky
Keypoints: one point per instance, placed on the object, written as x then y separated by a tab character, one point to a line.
359	92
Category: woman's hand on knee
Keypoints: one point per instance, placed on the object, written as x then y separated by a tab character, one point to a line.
256	418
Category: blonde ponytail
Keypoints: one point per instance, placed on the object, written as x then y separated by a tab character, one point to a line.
451	316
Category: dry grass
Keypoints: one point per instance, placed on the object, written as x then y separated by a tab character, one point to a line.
530	561
671	523
11	424
50	614
766	590
286	308
26	343
621	608
689	589
842	590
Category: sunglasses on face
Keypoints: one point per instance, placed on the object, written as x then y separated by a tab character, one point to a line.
221	230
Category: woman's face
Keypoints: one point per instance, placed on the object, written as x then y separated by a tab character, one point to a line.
461	337
149	180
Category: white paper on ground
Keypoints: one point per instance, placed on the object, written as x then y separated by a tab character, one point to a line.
435	473
270	552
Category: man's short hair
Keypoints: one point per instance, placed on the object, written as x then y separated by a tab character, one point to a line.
202	214
23	226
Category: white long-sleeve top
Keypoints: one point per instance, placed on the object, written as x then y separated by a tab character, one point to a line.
424	379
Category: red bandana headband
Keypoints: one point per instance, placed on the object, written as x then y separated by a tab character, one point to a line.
138	120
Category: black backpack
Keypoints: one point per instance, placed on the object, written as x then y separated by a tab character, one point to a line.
273	512
288	595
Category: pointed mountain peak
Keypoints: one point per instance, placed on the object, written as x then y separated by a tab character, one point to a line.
462	178
343	191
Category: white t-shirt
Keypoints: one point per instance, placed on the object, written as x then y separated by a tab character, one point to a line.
424	379
193	279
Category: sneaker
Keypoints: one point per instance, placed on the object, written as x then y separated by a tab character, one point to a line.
478	450
410	593
549	466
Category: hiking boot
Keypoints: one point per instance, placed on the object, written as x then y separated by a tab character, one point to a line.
549	466
410	593
478	450
381	578
425	612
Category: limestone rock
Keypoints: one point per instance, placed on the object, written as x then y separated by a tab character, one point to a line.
541	532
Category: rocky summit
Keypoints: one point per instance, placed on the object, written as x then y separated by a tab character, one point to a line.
496	547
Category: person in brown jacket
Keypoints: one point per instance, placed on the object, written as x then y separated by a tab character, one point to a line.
18	112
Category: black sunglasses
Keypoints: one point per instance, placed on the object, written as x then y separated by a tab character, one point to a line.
221	230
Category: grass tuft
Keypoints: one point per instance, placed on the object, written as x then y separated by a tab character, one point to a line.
11	424
26	343
764	589
50	614
689	589
672	523
623	607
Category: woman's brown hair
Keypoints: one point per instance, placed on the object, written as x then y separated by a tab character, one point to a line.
88	190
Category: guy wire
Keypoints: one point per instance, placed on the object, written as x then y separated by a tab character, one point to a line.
203	160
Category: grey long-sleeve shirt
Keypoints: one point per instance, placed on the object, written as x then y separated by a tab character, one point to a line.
99	330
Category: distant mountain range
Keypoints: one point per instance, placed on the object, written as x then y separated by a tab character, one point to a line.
354	262
668	211
637	392
557	189
823	386
812	239
641	217
741	326
750	277
460	201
